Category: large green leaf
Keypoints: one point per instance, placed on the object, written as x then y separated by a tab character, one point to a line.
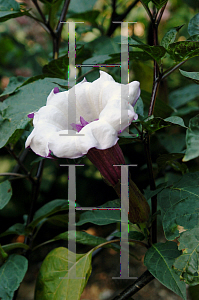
184	50
14	83
192	139
173	143
154	124
194	76
159	3
182	95
17	228
11	9
57	278
170	37
49	209
156	52
193	27
11	274
170	160
57	68
81	237
102	217
159	260
5	193
187	263
179	205
27	99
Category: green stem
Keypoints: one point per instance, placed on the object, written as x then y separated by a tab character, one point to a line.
143	280
172	69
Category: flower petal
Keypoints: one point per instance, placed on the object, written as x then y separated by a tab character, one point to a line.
39	137
98	134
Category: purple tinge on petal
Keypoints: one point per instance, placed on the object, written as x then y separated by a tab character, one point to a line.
50	155
56	90
78	127
31	115
83	122
135	117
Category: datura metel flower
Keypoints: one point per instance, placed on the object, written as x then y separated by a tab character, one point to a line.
104	108
99	107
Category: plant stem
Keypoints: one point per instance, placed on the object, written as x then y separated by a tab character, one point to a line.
143	280
169	71
156	81
152	187
58	31
39	10
13	174
118	18
147	10
160	14
20	163
35	193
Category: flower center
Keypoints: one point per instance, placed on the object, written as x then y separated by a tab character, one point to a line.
78	127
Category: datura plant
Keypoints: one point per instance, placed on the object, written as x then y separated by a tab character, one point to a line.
151	123
104	108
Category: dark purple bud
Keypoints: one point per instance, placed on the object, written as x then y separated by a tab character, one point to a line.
31	115
56	90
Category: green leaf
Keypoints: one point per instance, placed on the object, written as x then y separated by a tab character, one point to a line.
28	99
139	107
81	237
12	273
80	7
57	68
184	50
3	256
146	1
194	76
14	83
11	9
57	277
176	121
12	246
156	52
162	110
182	95
192	139
88	16
159	3
170	37
179	205
17	228
159	260
154	124
170	160
5	193
102	217
134	235
49	209
187	263
193	27
165	159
